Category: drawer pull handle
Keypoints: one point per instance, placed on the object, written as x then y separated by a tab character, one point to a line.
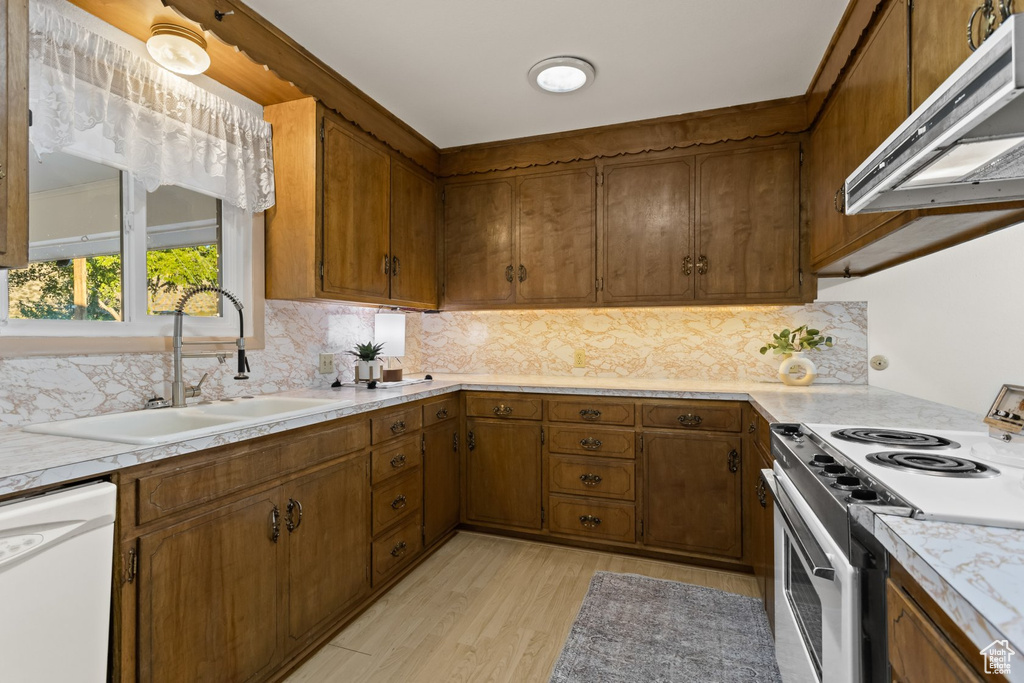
590	479
398	462
502	409
292	523
590	521
590	443
590	414
398	427
442	414
689	420
761	497
734	461
398	503
399	549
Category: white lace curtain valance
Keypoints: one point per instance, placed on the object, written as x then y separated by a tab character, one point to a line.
164	129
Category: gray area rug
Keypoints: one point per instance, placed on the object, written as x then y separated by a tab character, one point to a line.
638	629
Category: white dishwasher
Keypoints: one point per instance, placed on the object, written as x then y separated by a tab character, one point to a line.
56	559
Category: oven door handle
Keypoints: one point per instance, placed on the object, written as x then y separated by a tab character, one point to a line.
805	541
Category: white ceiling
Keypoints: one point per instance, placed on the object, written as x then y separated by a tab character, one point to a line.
455	70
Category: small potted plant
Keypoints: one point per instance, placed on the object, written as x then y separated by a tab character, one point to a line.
367	361
791	345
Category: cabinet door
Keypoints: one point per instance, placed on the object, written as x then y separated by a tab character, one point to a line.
441	484
748	226
876	101
692	493
413	237
355	242
503	474
827	171
557	238
13	133
938	43
208	596
648	232
478	256
328	538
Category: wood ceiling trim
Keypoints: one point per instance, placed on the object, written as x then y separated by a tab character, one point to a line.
264	43
742	122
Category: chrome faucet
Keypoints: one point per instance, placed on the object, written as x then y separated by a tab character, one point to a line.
179	392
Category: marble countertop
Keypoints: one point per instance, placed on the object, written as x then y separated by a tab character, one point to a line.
974	572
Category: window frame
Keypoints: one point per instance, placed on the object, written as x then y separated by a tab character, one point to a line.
236	275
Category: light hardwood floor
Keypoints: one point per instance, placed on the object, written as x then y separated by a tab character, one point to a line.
483	608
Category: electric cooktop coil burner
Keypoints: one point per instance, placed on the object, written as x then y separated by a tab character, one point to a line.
893	437
938	464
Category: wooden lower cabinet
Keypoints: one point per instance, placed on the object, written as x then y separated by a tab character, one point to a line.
441	481
503	473
208	596
328	542
762	536
692	493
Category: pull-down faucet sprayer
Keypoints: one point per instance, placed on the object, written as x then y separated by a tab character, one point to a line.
179	392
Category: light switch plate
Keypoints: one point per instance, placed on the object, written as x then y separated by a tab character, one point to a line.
326	363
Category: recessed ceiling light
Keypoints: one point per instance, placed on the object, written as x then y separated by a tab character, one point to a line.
561	74
178	49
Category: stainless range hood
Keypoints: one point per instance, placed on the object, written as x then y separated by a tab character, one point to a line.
963	145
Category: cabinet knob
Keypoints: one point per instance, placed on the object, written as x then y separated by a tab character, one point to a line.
292	523
396	266
687	265
689	420
398	461
398	427
510	274
470	441
702	265
275	524
590	479
761	497
522	273
3	173
590	414
387	265
590	521
590	443
502	410
839	201
398	503
442	414
734	461
399	549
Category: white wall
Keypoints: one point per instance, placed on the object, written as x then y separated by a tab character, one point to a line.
951	324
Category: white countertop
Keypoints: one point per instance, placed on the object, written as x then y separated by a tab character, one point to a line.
975	573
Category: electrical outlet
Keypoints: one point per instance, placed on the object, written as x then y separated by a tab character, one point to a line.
579	358
326	363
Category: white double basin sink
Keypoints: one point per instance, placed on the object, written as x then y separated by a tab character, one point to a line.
165	425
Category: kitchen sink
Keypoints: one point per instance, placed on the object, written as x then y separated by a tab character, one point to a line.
165	425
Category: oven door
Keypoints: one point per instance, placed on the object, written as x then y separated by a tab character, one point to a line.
817	618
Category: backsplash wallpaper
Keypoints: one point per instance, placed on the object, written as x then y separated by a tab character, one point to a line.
708	343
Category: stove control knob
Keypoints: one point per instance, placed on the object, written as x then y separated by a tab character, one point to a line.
848	482
820	460
833	470
863	496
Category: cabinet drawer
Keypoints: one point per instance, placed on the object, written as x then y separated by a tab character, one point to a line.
397	549
169	492
396	423
595	519
609	443
590	412
439	411
392	461
350	437
596	477
507	407
397	500
694	415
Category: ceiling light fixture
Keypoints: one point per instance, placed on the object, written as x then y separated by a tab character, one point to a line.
562	74
178	49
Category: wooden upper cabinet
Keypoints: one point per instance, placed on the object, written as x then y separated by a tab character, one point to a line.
478	247
329	547
557	238
13	133
413	237
748	225
647	232
826	173
356	176
938	43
